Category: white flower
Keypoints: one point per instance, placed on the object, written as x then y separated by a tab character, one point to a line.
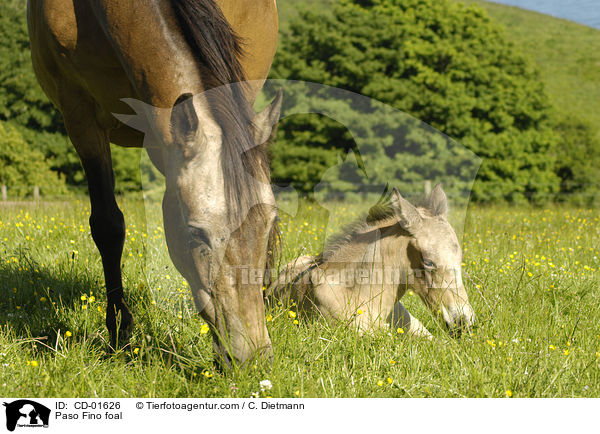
265	385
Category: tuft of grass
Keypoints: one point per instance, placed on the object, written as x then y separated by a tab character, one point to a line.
532	279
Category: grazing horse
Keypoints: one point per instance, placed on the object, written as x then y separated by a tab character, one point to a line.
219	211
364	272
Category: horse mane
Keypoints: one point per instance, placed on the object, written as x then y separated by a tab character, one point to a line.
217	49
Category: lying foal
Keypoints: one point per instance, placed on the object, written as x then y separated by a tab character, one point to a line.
364	272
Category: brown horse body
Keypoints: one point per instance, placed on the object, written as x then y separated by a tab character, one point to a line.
89	55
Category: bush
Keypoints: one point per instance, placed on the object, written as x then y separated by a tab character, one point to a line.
440	61
21	167
24	104
578	166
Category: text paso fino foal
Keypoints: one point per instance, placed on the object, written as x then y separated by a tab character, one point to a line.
364	272
218	210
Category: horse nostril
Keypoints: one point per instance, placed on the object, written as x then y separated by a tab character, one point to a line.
199	235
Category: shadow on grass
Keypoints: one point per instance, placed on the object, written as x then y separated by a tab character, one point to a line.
37	301
38	304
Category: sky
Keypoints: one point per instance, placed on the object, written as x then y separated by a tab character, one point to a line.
582	11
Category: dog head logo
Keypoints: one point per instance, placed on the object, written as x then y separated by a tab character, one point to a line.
26	413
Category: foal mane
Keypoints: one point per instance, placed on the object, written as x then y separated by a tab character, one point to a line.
217	49
378	215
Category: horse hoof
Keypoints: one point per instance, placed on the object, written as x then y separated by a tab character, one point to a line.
119	322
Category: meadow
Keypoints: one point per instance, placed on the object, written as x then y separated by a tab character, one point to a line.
532	279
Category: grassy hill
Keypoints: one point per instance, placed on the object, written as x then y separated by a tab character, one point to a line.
288	9
568	54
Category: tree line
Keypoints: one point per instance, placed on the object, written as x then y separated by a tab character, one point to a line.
439	61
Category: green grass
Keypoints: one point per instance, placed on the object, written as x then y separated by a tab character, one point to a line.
533	283
567	54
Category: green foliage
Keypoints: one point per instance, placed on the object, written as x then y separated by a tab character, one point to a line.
21	98
567	55
23	167
442	62
578	168
25	105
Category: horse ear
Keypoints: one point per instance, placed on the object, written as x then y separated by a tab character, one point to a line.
438	202
184	120
265	122
408	216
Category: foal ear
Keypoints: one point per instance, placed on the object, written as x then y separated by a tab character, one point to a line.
265	122
438	202
408	216
184	120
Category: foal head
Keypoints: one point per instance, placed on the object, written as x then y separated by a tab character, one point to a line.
435	258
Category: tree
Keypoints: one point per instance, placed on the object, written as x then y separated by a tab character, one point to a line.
21	167
24	104
440	61
578	167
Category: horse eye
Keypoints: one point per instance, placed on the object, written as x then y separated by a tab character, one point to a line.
429	264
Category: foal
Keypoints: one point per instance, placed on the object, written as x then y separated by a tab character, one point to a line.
364	272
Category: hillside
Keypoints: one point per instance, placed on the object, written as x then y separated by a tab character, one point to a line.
567	53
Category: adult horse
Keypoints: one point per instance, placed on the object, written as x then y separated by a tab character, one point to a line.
89	55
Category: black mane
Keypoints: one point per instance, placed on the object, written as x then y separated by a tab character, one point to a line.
217	49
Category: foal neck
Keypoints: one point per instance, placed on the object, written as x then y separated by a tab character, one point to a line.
382	242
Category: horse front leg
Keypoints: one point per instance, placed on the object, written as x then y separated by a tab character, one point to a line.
106	220
400	318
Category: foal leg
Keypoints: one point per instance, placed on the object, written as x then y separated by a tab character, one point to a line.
401	318
106	220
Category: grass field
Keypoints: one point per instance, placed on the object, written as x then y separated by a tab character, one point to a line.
533	283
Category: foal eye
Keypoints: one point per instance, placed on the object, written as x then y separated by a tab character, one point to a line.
429	264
